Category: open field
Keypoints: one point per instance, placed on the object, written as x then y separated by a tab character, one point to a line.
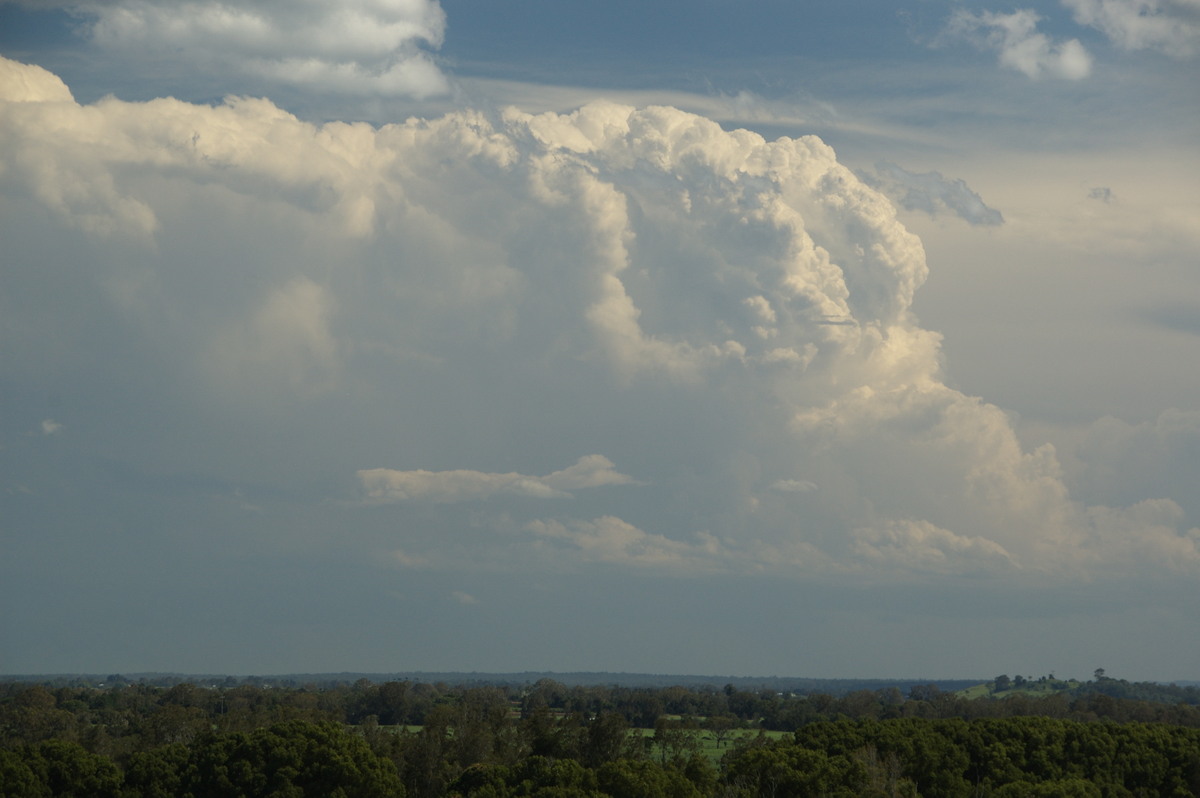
705	743
1034	689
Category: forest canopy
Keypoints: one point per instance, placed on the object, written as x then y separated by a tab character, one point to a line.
402	738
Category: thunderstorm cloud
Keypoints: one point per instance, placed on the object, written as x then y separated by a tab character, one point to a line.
449	309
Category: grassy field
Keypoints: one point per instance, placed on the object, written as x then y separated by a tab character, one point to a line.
707	744
1034	689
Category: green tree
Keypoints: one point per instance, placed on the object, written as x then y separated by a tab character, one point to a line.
295	759
70	771
625	778
18	780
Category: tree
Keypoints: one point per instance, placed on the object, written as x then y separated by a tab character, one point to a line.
607	738
644	779
17	779
295	759
69	771
720	727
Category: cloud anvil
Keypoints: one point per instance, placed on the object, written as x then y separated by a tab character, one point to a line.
507	367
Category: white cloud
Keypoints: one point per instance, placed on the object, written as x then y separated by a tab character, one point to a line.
717	312
793	486
1021	46
387	485
934	194
1119	462
285	341
591	471
921	546
611	540
28	83
361	47
51	427
408	560
1170	26
1147	537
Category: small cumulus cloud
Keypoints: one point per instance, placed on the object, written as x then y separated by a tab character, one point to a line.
922	546
360	47
934	194
1021	47
51	427
793	486
612	540
408	560
447	487
465	599
1168	26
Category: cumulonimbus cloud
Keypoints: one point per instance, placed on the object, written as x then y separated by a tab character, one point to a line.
729	318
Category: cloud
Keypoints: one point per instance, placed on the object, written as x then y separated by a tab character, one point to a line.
721	314
386	485
286	340
611	540
29	83
1119	462
359	47
793	486
934	194
1169	26
1019	44
1177	316
51	427
921	546
407	560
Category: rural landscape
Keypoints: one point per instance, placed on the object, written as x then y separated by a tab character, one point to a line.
497	736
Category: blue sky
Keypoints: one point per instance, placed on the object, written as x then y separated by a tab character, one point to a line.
806	338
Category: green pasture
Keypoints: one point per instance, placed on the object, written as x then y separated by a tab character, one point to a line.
706	743
1033	689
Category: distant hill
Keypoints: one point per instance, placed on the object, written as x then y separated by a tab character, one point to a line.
779	684
998	688
1003	687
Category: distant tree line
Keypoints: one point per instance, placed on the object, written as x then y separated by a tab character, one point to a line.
547	739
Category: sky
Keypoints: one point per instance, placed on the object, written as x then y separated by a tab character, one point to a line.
823	339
